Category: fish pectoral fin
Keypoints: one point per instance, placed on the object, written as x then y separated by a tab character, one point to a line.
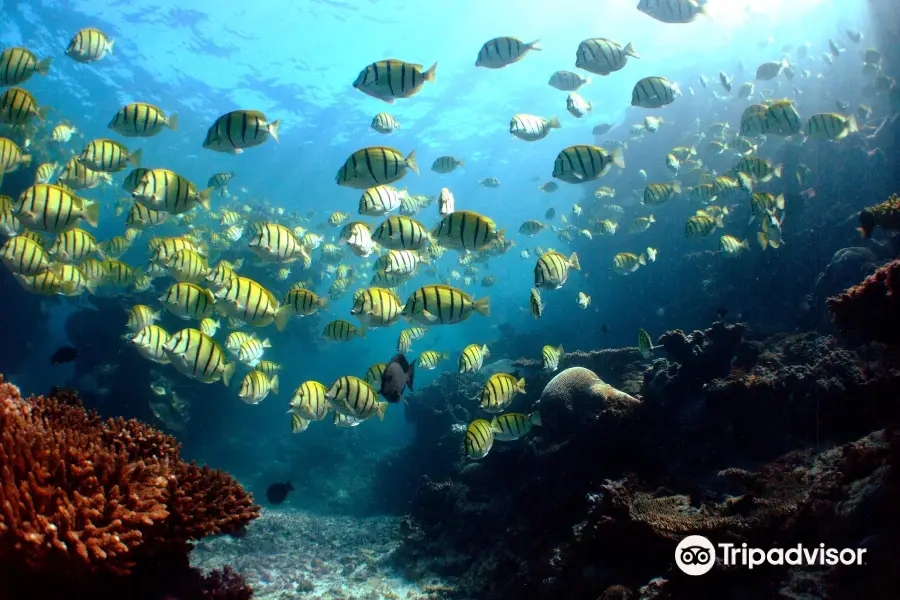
429	316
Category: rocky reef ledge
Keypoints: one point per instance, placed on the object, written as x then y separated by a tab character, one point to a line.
773	442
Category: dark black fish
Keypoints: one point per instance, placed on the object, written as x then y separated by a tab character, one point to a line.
866	223
396	377
65	354
604	329
551	212
277	492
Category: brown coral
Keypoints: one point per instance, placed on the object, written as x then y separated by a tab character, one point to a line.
80	495
869	310
885	215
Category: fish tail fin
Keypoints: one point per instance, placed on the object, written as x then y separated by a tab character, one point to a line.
282	316
43	67
273	129
361	331
172	121
762	239
135	157
676	186
204	196
554	123
109	46
779	201
411	162
91	213
560	350
535	418
431	74
618	157
778	170
380	409
227	373
573	262
273	384
745	244
520	385
642	259
483	306
534	45
630	51
852	124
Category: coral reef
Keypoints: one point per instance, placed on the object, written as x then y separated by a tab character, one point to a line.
885	215
767	442
868	311
103	504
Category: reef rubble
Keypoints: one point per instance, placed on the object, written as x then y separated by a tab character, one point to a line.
771	442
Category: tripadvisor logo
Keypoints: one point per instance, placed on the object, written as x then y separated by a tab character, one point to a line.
696	555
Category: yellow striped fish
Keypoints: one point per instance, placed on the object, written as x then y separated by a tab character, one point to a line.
758	167
310	402
627	262
140	216
702	225
401	233
11	157
140	119
198	356
552	269
672	11
385	123
479	439
446	164
760	202
94	270
187	266
45	172
150	342
272	242
340	330
247	300
466	230
9	223
380	200
45	283
51	208
188	301
301	302
210	327
430	359
830	126
535	304
499	391
377	307
731	246
74	245
404	342
162	249
376	165
63	132
654	92
134	178
19	64
512	426
602	56
531	128
342	420
503	51
235	340
89	45
118	274
782	118
268	367
392	78
18	106
401	262
141	315
298	423
108	156
443	305
78	176
164	190
472	357
531	228
251	351
72	280
582	162
354	397
659	193
255	387
374	375
23	256
239	129
645	344
550	357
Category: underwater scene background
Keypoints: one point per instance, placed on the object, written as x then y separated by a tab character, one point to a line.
447	314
